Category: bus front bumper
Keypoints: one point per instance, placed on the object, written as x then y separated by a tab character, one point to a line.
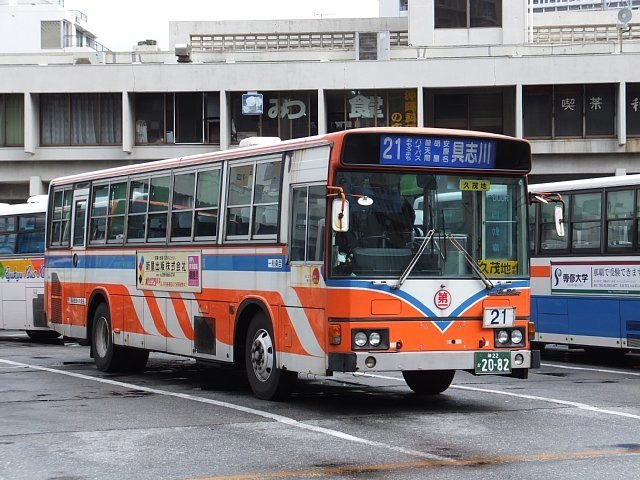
398	361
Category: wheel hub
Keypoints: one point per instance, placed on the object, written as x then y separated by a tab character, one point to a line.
262	355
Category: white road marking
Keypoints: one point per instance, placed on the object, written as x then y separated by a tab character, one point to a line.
619	372
271	416
581	406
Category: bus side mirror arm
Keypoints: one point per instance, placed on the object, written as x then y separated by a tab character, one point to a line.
339	210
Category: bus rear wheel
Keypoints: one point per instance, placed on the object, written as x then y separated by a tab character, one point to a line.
107	356
428	382
266	380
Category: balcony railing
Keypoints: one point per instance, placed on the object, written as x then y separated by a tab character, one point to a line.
290	41
82	41
584	34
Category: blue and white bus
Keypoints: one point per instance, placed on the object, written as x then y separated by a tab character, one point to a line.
585	286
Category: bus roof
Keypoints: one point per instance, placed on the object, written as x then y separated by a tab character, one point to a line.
279	147
34	204
586	183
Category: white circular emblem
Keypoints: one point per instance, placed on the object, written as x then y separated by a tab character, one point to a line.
442	299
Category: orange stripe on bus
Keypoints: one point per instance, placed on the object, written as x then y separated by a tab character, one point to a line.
181	314
540	270
156	315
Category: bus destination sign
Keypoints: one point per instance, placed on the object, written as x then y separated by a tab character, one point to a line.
443	152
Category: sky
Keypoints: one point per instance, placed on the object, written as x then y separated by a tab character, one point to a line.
120	24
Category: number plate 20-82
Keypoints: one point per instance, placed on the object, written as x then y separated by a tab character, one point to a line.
498	317
492	362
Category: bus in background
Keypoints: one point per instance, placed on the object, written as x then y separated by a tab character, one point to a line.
22	268
303	256
586	286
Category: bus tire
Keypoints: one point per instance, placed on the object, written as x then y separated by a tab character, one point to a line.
107	356
428	382
266	380
42	334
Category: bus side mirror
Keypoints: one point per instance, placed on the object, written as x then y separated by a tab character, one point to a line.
340	215
559	216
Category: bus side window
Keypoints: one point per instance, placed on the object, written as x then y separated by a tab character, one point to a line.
30	233
7	235
308	223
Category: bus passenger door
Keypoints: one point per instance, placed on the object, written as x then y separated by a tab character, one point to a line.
303	334
76	297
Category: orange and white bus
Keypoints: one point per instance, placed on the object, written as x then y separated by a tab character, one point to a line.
22	267
303	256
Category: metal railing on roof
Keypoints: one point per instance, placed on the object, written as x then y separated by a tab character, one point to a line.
584	33
571	5
84	41
285	41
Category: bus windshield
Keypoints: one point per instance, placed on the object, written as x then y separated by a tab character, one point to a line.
484	214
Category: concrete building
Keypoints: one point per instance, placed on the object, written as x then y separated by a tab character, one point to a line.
566	79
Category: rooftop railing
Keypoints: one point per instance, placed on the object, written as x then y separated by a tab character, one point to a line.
584	33
288	41
83	41
570	5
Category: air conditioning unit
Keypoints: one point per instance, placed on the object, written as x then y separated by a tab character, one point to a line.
372	46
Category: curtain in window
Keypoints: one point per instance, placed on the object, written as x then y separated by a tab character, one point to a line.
110	118
14	108
85	119
53	119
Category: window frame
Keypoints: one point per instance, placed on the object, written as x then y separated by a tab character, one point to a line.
600	221
251	237
306	187
90	212
68	100
51	220
468	18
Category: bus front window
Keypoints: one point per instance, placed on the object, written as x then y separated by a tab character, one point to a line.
485	215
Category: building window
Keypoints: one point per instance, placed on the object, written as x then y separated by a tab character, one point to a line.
11	120
81	119
538	111
563	111
50	34
467	13
404	5
285	115
371	108
633	109
186	117
469	111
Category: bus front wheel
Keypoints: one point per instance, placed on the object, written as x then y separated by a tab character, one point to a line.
428	382
266	380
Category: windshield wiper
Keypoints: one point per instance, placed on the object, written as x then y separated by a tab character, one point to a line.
414	260
487	283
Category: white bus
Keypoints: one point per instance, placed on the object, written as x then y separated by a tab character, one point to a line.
22	268
585	286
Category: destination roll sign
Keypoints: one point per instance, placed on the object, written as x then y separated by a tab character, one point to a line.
437	152
472	152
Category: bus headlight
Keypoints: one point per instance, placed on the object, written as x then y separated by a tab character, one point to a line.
516	336
360	339
502	337
374	339
370	339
